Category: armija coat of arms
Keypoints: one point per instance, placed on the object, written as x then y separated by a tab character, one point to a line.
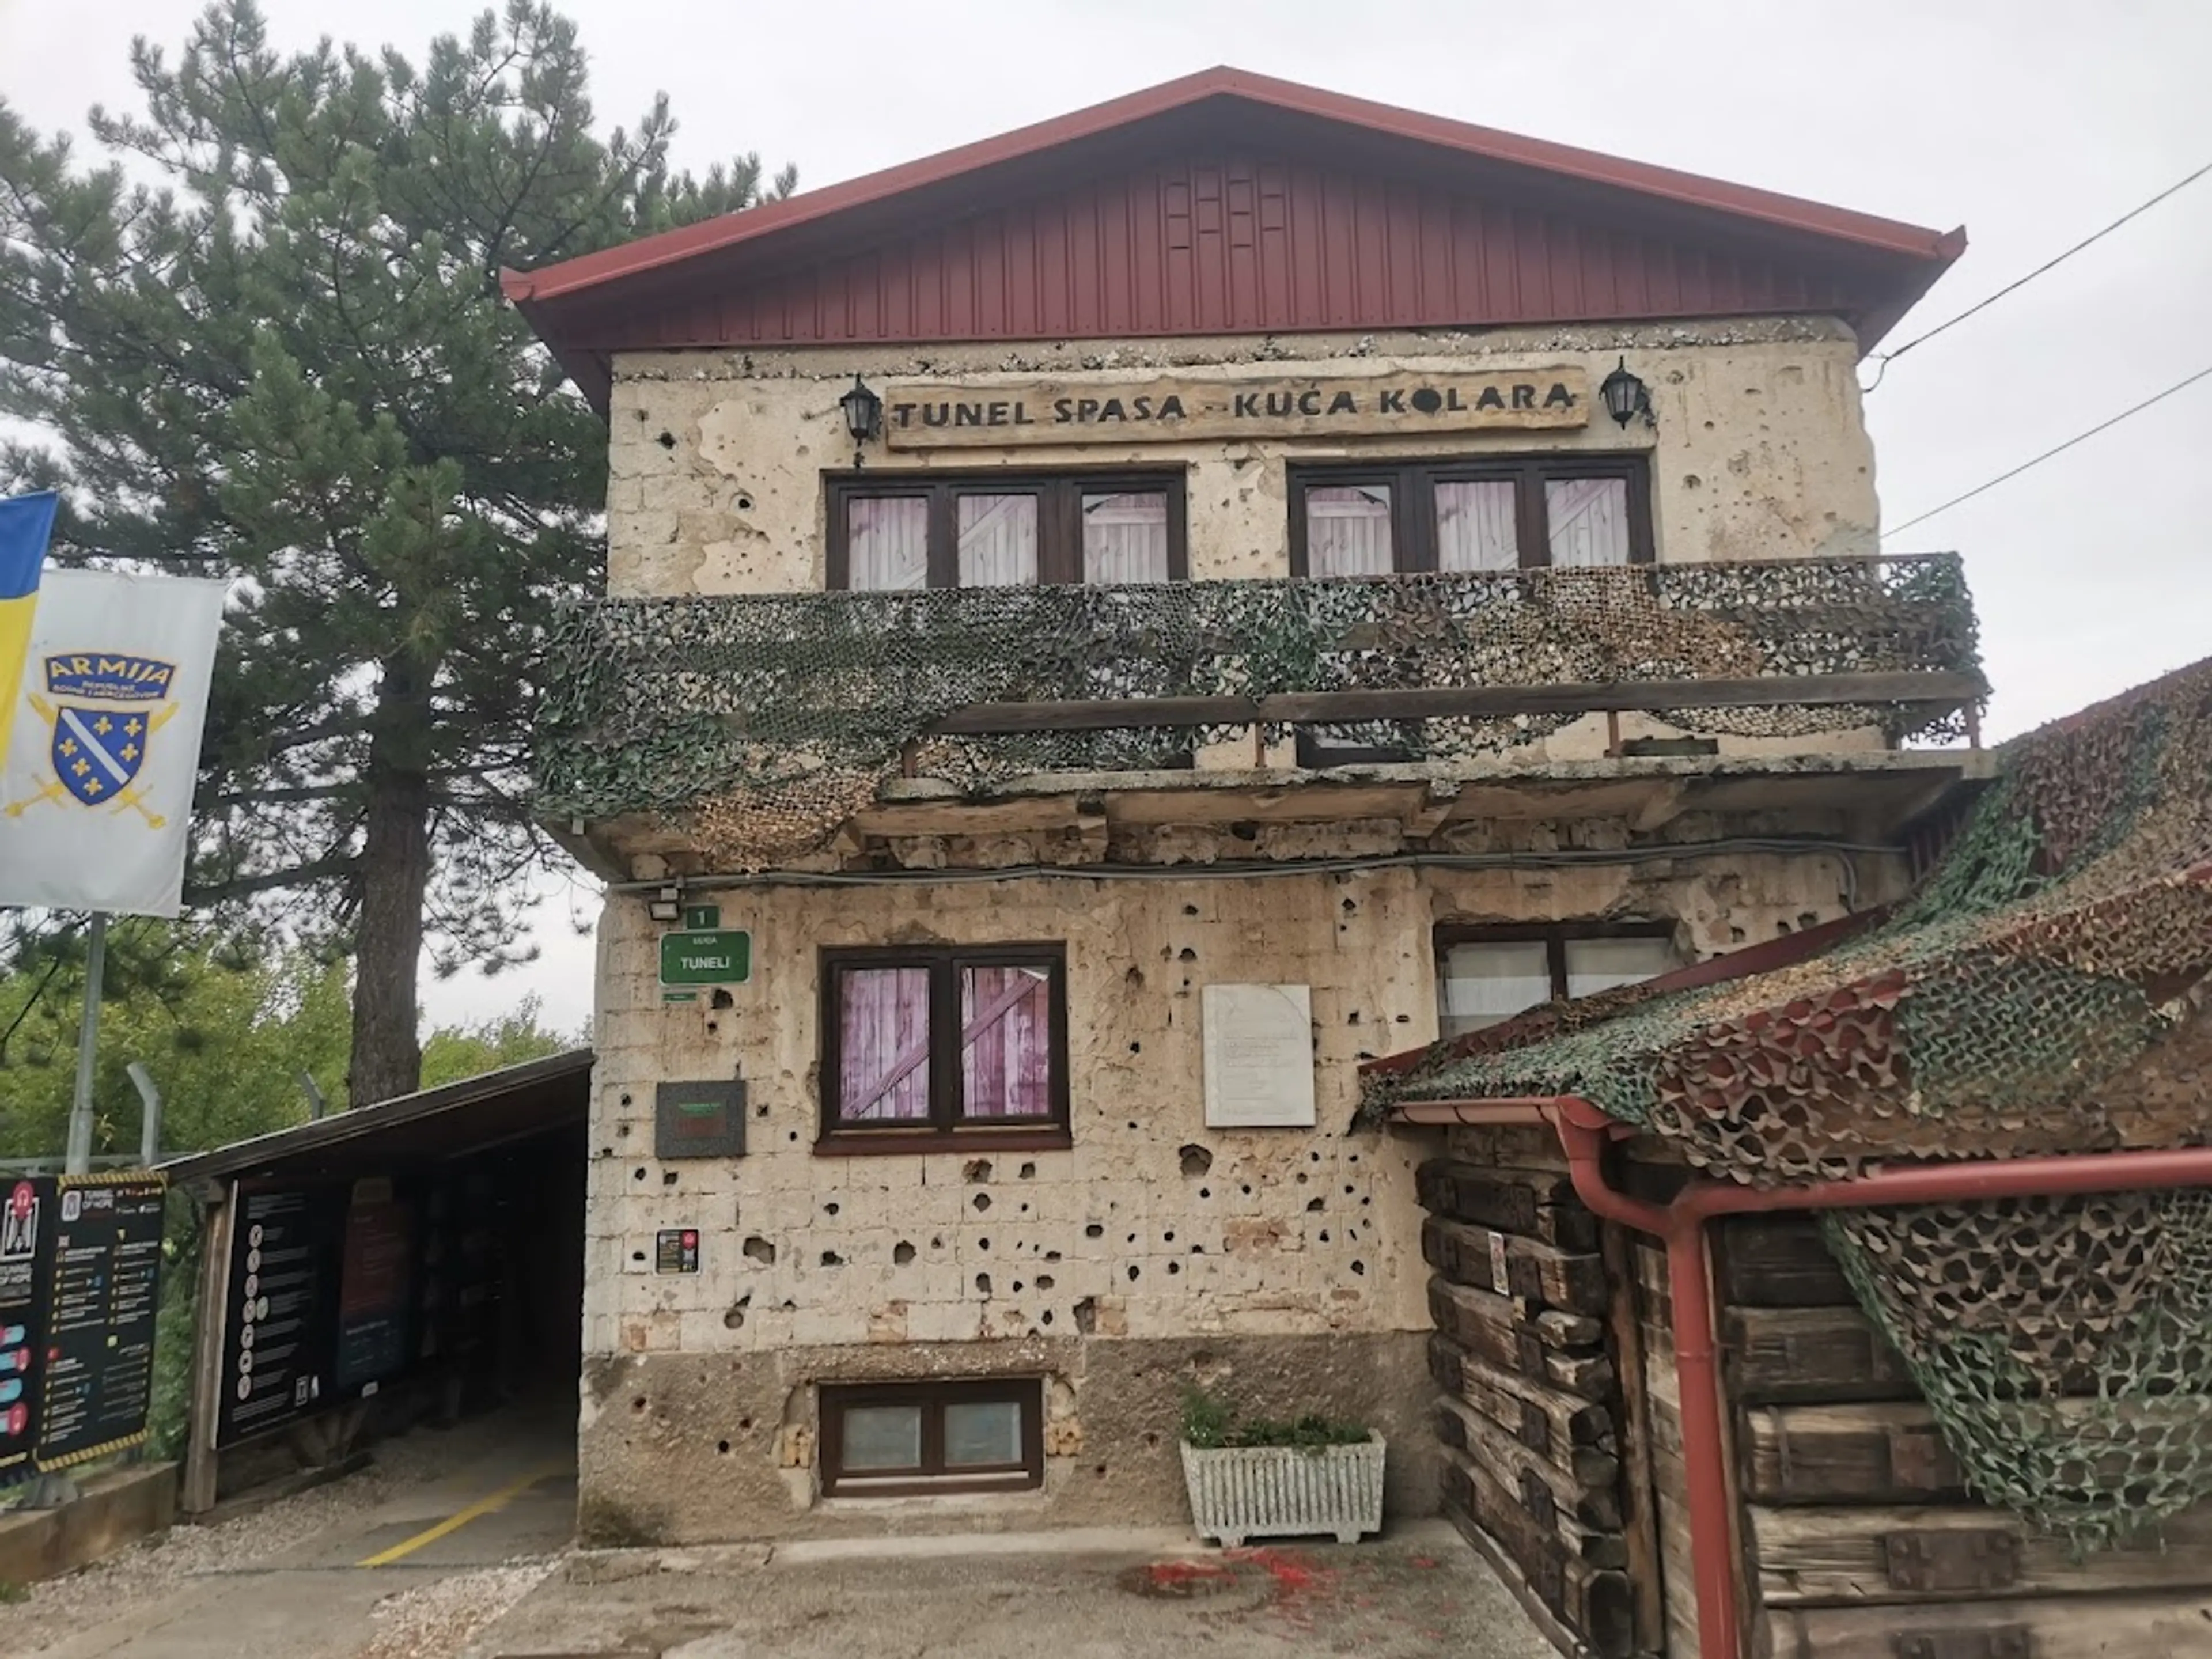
104	711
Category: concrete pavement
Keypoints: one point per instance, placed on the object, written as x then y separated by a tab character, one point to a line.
457	1544
497	1490
1129	1595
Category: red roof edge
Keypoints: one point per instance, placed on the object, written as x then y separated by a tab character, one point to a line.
1787	213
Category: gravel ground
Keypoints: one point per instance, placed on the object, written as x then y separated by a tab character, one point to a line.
436	1620
146	1572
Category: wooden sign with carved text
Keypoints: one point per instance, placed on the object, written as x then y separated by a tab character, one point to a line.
1001	413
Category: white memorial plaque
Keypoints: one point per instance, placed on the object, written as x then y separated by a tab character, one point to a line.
1259	1056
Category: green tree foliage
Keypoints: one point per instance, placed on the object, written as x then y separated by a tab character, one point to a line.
225	1032
224	1040
453	1052
285	358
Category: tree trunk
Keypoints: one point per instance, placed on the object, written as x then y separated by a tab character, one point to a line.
395	872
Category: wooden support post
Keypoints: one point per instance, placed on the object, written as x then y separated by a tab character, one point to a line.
909	759
1639	1509
1259	746
1973	713
1613	734
196	1490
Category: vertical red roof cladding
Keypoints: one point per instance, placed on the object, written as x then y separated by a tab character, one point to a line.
1228	202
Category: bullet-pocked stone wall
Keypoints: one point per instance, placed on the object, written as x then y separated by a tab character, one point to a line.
1282	1265
1758	449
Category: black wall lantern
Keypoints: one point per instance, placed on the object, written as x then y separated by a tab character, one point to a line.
864	414
1626	396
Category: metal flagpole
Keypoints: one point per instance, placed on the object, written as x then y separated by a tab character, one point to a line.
88	1038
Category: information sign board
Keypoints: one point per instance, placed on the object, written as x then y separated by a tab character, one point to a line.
27	1221
102	1292
375	1286
279	1337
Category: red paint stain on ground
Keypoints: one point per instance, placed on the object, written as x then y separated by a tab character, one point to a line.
1299	1583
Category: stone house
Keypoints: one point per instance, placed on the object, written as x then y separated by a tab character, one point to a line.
1131	620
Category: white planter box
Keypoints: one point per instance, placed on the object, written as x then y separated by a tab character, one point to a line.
1238	1492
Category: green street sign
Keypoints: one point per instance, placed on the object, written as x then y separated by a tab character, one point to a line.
700	917
723	955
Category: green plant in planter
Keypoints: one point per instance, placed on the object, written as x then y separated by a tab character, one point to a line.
1209	1425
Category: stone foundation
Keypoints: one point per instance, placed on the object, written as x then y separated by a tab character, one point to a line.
697	1449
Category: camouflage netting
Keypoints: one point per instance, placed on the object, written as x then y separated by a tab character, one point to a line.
755	726
2045	990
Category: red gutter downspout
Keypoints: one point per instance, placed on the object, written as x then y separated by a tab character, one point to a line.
1583	1131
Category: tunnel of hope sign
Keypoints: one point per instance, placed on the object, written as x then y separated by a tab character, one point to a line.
931	414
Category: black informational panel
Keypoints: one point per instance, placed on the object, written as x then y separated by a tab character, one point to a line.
102	1292
279	1335
27	1226
376	1293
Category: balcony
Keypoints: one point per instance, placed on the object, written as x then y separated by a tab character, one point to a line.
747	732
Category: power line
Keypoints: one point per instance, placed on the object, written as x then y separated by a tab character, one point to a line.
1884	359
2058	449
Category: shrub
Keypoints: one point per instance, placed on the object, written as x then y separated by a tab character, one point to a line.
1208	1424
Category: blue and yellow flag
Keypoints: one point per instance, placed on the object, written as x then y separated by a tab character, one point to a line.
26	522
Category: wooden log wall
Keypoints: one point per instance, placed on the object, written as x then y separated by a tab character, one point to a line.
1541	1453
1858	1535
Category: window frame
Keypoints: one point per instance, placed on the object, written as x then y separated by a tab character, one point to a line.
945	1129
1413	501
1060	494
1555	937
836	1398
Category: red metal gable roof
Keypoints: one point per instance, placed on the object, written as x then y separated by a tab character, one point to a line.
1227	202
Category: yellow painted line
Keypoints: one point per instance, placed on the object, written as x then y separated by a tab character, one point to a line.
459	1518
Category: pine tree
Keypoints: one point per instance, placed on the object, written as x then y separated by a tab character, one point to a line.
289	360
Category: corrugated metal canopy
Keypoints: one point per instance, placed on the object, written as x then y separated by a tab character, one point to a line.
537	1096
1227	202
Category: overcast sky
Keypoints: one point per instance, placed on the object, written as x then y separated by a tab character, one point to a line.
2032	122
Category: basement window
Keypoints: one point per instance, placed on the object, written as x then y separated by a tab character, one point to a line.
1488	975
930	1049
889	1439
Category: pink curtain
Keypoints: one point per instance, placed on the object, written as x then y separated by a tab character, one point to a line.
997	539
1125	538
1475	526
883	1044
887	543
1588	520
1348	530
1006	1059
